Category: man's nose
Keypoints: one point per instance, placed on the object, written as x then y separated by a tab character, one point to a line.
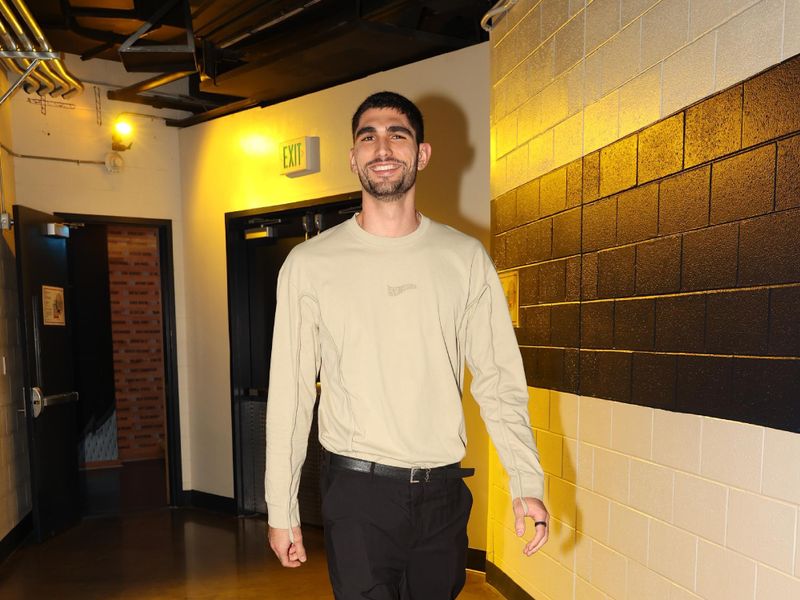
383	148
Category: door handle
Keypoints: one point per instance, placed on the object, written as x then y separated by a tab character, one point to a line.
40	401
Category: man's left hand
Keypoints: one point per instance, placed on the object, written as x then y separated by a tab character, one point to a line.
534	509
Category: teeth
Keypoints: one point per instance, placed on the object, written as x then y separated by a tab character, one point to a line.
384	167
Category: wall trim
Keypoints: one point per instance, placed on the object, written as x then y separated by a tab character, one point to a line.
504	584
14	538
476	560
208	501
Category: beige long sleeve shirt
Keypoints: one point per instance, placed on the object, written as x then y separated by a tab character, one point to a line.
389	324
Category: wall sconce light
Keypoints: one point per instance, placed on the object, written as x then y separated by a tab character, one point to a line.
121	134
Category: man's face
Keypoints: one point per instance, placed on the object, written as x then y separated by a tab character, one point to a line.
385	154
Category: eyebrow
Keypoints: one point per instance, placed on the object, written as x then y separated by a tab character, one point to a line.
390	129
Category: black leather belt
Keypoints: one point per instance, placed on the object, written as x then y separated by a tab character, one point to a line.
410	475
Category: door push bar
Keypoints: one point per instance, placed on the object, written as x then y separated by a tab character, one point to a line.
40	401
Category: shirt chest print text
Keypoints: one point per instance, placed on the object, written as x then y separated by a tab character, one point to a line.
397	290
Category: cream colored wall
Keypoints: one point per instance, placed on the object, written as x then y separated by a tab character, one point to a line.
15	495
147	187
232	164
645	503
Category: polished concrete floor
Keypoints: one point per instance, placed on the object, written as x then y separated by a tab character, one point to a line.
170	554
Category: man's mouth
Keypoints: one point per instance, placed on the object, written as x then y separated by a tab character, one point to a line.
384	167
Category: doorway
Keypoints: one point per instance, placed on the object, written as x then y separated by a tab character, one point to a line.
258	241
121	275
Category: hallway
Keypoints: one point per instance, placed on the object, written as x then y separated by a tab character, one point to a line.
171	554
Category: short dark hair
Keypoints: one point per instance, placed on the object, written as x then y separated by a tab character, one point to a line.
399	103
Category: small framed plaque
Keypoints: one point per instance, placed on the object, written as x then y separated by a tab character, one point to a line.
510	283
53	311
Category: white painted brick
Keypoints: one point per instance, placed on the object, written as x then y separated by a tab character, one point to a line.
762	529
586	591
593	515
541	155
673	553
646	584
593	77
585	474
700	506
773	584
595	421
560	545
549	445
706	15
568	140
575	6
539	407
506	134
723	574
569	467
791	29
602	22
611	474
601	122
561	500
517	166
631	429
538	68
564	413
609	570
629	532
554	13
689	74
569	43
555	104
676	440
583	555
652	489
797	548
497	178
633	9
749	43
679	593
665	29
529	118
732	453
640	101
621	57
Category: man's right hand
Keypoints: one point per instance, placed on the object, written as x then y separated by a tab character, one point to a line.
290	554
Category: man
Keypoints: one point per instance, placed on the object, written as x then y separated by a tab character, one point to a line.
387	307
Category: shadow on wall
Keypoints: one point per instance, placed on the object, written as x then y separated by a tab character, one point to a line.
565	500
439	187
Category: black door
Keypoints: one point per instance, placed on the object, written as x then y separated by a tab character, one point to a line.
50	399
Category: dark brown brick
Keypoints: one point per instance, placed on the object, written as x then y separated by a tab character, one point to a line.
573	291
591	177
704	385
634	324
539	240
571	370
743	186
681	323
637	214
784	324
506	211
597	324
575	183
534	329
615	272
683	201
565	326
714	127
544	367
653	380
769	249
567	233
618	166
528	202
589	276
553	192
599	224
787	193
529	285
552	281
499	252
517	252
771	108
606	375
765	392
658	266
737	322
661	149
709	258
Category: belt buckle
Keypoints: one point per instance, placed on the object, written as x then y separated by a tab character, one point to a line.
415	471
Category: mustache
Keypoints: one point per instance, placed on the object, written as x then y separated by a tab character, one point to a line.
384	160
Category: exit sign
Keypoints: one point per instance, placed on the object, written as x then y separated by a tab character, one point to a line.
300	156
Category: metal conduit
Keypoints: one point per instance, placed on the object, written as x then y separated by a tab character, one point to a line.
19	51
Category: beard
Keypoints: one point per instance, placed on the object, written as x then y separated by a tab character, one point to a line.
388	191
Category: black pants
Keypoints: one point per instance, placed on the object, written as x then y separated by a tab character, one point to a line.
393	540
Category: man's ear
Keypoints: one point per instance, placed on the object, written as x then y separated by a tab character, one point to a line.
353	167
423	155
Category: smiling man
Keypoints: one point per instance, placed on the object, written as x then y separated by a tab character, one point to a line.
387	308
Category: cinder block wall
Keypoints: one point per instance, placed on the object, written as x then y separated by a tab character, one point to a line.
659	285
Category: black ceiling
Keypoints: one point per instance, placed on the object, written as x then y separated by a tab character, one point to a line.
245	53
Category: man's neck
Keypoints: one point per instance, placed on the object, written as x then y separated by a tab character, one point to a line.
388	219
